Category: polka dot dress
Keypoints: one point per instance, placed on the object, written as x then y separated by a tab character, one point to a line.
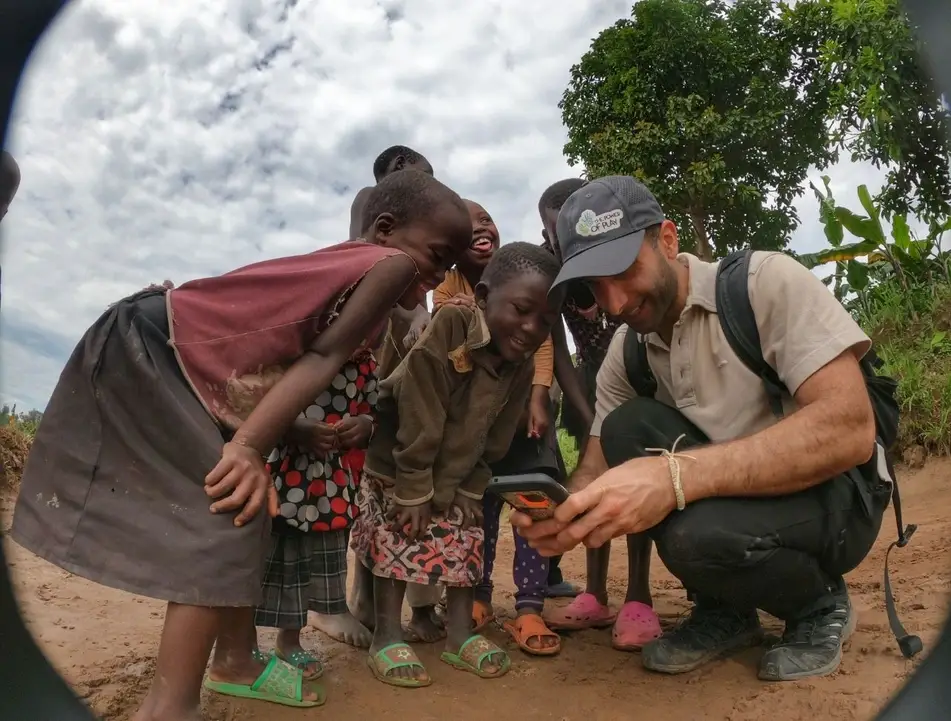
318	492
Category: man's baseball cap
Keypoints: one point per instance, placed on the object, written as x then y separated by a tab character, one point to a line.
601	227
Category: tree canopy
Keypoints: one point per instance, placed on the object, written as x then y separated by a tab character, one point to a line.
884	106
723	107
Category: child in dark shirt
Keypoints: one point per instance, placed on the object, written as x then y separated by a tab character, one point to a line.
592	329
392	160
450	409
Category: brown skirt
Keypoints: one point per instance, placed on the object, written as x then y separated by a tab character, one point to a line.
113	490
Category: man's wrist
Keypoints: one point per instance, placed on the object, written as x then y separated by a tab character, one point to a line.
696	484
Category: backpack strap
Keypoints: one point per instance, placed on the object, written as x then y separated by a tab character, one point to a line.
909	644
739	323
639	373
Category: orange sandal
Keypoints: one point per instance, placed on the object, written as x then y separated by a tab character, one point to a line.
530	626
482	616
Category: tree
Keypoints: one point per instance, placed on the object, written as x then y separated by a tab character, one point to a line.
715	106
885	109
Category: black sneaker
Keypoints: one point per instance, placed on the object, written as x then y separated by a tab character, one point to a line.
706	634
811	646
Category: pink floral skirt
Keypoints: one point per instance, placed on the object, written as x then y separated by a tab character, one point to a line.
444	553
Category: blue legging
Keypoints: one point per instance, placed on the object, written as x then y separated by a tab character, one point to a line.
529	569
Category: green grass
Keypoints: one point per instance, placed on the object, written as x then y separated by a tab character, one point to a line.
569	450
912	335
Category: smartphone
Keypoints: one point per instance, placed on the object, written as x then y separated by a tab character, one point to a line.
534	494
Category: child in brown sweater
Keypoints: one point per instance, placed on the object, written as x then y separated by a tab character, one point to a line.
450	409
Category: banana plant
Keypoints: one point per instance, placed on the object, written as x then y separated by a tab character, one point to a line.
849	274
906	255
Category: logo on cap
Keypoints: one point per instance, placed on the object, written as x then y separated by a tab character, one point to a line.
590	224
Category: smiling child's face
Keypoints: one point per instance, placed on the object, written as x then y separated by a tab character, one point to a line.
485	239
520	314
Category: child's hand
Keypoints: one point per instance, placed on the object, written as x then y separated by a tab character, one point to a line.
472	515
415	331
354	431
539	414
315	436
322	437
241	481
411	520
461	299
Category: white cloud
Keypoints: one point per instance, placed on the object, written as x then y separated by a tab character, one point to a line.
184	138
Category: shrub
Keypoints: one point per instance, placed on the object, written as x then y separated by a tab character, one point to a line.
912	335
15	441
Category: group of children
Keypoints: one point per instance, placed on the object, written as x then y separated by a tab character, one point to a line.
375	438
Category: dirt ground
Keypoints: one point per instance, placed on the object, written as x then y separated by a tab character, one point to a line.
104	641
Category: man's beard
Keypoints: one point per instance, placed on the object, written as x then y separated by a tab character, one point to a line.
657	304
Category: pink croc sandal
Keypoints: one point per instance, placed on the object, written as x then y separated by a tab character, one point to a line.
636	626
583	612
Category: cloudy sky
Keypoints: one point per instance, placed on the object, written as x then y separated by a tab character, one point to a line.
184	138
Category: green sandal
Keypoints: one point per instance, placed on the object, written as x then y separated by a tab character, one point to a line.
261	657
397	655
473	655
301	659
278	683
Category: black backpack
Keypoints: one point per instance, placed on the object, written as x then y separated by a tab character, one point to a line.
739	326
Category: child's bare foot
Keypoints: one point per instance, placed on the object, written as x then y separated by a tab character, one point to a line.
288	649
243	672
425	626
343	627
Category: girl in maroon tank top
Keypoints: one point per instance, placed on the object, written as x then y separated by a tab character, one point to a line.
155	438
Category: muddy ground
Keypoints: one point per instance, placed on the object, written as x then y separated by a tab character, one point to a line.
104	641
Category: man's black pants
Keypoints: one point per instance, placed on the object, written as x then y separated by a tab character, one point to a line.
780	554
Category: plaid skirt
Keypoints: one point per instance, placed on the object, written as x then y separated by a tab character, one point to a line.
305	571
444	553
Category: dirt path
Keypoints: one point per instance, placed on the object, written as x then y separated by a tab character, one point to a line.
104	640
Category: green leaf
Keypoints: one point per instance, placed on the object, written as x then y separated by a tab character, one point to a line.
903	257
833	229
860	226
838	255
901	234
857	275
866	200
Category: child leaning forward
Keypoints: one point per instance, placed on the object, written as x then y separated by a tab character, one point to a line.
450	409
153	442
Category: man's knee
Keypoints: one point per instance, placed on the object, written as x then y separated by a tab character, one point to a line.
632	427
698	541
